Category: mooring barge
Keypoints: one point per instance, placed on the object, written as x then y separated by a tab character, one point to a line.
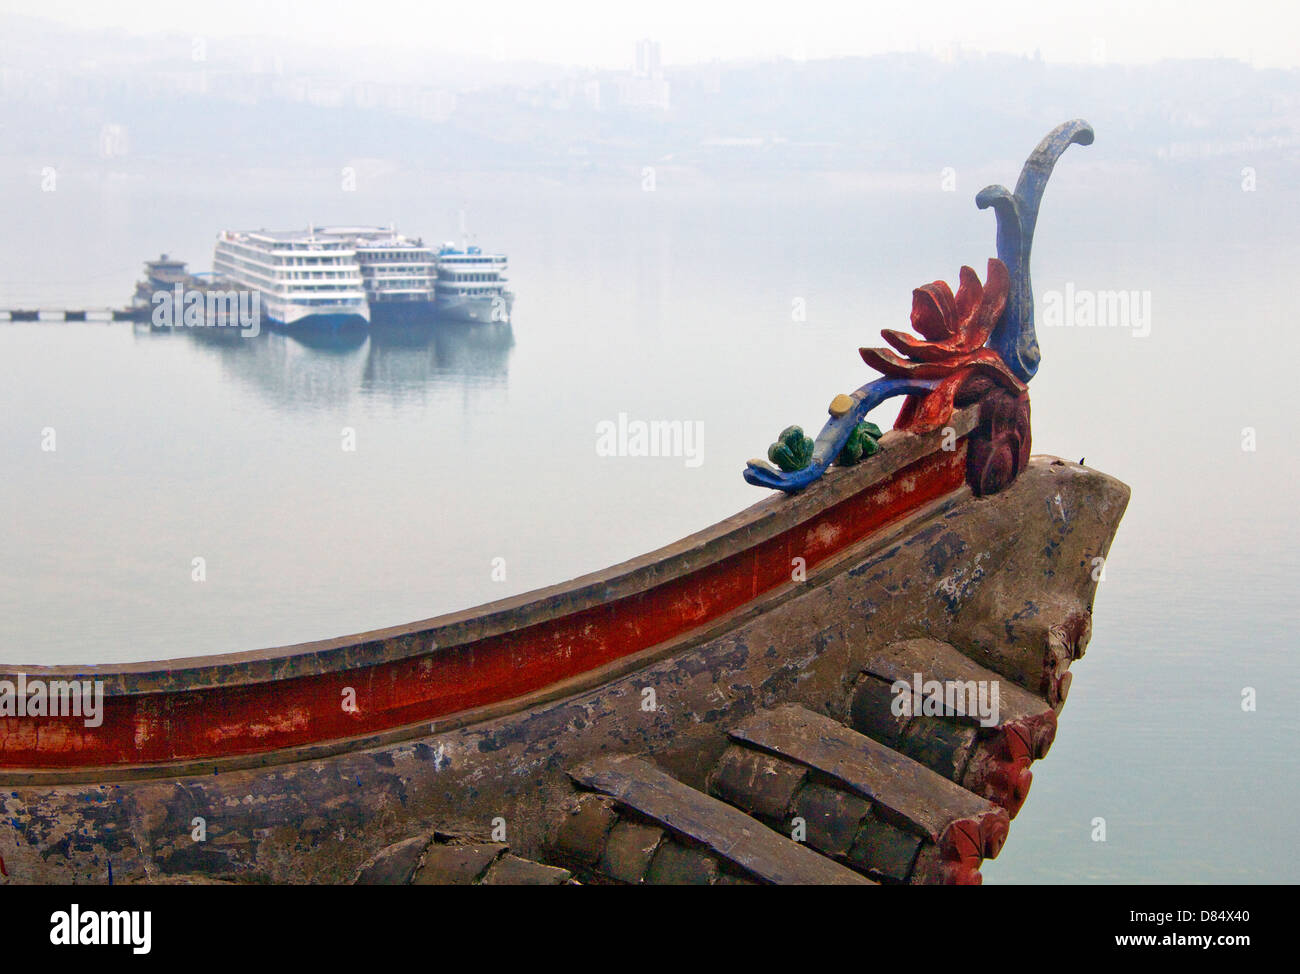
728	709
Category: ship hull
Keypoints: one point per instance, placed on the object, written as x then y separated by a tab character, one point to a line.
402	312
321	322
474	309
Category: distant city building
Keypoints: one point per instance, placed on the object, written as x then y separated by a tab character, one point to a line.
646	88
113	141
431	104
647	59
712	83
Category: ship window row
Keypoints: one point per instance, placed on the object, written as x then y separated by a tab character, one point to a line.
259	260
401	256
313	261
315	245
242	274
319	275
259	271
459	276
280	260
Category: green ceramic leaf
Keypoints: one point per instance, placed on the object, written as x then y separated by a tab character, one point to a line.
861	443
792	450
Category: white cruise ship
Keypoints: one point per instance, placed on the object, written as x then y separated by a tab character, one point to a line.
397	272
306	278
471	285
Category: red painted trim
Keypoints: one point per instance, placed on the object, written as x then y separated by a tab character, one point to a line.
251	718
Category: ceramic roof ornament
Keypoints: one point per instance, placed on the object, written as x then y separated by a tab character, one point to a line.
977	345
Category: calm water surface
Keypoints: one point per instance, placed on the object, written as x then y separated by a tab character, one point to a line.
475	444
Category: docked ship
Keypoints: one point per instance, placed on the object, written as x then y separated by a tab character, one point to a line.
471	285
306	278
331	276
397	272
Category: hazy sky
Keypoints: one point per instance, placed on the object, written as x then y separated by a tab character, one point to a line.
601	33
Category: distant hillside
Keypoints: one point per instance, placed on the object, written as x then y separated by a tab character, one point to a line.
86	99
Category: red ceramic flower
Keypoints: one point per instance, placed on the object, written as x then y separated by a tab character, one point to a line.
955	329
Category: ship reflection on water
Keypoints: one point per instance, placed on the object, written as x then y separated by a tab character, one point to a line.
310	368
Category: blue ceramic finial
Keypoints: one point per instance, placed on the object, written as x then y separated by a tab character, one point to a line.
1014	339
